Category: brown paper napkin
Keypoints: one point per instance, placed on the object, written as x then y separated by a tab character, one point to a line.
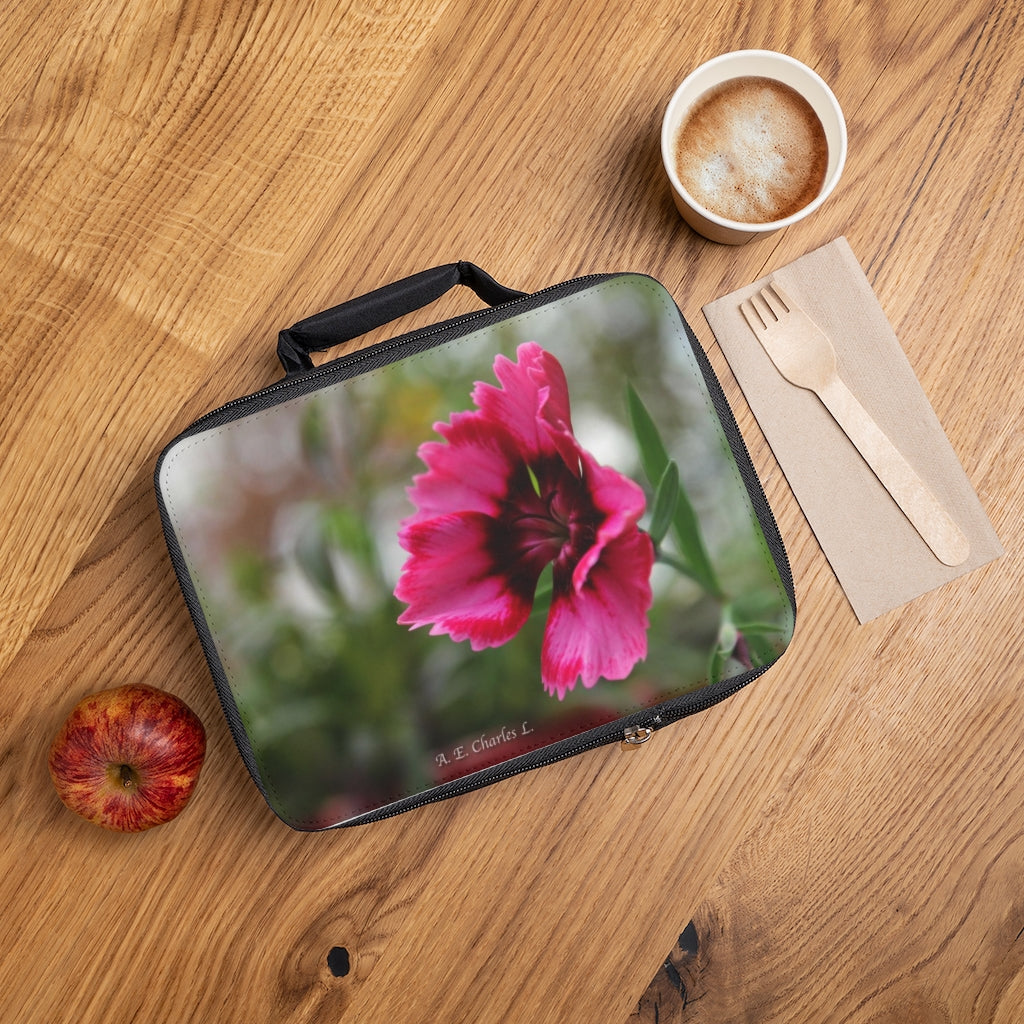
878	557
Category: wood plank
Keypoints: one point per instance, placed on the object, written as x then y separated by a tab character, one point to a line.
736	957
149	205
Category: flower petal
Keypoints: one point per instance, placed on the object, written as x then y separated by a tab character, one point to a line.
467	471
599	629
452	582
533	399
620	499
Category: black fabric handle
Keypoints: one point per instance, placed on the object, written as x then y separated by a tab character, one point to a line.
374	309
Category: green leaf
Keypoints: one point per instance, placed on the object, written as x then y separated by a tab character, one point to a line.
344	528
665	500
725	644
759	628
544	592
761	639
691	543
653	456
685	526
678	564
534	482
716	663
761	651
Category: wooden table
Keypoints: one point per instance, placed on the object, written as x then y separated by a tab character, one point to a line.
841	842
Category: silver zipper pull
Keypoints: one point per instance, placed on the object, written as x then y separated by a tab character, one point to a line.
635	735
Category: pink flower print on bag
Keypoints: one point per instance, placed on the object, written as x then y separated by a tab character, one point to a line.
507	492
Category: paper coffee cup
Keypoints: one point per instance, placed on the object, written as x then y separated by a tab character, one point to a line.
750	64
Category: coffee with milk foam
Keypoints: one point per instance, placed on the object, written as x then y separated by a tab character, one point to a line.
752	150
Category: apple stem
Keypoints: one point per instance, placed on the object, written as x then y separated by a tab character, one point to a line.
127	776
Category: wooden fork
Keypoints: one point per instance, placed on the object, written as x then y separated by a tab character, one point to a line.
803	354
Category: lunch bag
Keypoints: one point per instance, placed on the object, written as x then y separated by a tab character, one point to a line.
474	549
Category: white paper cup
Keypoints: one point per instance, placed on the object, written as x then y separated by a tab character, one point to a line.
762	64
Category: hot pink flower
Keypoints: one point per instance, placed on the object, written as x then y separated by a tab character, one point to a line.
507	492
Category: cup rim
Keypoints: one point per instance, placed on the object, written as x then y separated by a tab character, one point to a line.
668	135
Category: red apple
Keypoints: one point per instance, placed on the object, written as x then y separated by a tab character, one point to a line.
128	758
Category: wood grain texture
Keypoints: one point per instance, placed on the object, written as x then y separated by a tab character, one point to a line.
182	179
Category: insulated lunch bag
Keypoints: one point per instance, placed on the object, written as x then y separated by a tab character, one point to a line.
473	549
